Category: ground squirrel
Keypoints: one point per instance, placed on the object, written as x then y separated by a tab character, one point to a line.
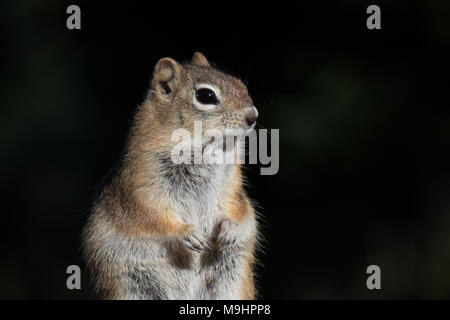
161	230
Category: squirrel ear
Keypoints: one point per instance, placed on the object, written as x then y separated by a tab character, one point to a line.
200	60
166	76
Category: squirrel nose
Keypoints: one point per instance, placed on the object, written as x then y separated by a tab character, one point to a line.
251	116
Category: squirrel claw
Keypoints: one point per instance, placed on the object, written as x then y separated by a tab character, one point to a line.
192	242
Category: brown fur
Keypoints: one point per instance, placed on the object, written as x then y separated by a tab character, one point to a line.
135	204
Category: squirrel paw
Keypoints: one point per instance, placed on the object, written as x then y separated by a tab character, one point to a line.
191	241
228	235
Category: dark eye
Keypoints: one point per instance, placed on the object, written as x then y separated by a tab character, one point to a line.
206	96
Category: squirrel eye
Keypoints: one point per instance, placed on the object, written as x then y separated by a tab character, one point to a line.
206	96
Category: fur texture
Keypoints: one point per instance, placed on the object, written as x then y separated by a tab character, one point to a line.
161	230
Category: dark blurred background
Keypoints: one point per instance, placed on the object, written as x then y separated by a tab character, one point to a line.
364	134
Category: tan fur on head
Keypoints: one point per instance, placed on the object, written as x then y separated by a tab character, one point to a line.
200	60
174	88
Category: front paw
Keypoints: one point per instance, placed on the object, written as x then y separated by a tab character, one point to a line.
228	235
195	243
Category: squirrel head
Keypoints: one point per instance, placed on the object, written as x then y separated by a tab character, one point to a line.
195	91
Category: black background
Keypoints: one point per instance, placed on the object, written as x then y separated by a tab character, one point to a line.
364	134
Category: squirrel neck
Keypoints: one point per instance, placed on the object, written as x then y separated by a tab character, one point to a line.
149	173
